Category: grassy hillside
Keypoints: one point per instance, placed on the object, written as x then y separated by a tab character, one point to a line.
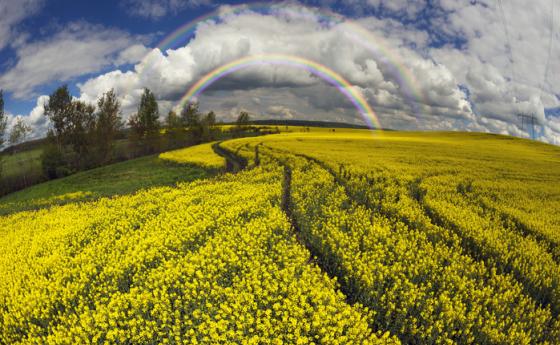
116	179
27	159
17	163
329	237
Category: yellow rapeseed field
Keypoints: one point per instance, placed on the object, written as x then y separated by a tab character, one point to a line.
446	237
346	237
201	155
207	262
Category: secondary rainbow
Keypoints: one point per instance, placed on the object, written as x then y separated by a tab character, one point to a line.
353	94
408	84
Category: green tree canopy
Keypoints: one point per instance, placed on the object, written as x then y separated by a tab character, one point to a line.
173	120
243	119
19	131
58	110
190	116
3	119
148	112
210	119
108	124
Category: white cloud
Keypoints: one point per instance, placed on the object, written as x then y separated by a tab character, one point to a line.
130	55
80	48
464	86
12	13
249	33
156	9
280	111
35	119
504	77
551	132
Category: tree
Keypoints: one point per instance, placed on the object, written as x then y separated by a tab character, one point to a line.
243	119
108	125
57	111
53	163
135	136
80	133
3	124
3	119
72	128
208	127
145	124
210	119
173	120
19	132
136	126
190	115
174	129
148	112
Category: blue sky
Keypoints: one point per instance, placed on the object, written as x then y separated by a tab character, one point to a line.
470	65
57	13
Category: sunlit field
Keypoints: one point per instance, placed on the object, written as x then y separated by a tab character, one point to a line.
325	237
307	172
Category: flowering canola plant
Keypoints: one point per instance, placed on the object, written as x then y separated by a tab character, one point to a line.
201	155
325	238
434	233
207	262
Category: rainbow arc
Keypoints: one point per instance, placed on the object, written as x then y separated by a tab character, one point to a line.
352	93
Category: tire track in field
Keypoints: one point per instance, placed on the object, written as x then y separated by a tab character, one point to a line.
236	163
316	257
469	245
515	224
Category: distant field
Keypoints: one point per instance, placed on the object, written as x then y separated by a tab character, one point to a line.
331	237
456	230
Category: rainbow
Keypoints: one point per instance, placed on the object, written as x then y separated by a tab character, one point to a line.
406	80
181	35
352	93
408	84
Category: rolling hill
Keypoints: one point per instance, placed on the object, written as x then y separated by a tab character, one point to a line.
344	237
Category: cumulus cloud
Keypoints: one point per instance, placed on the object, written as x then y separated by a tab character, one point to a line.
80	48
280	111
458	79
501	53
35	119
156	9
507	63
170	73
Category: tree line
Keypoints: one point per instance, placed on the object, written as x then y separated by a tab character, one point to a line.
83	136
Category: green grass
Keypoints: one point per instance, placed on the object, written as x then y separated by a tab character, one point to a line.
116	179
29	161
13	165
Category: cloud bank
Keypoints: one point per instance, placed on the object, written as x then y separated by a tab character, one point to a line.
453	69
79	48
